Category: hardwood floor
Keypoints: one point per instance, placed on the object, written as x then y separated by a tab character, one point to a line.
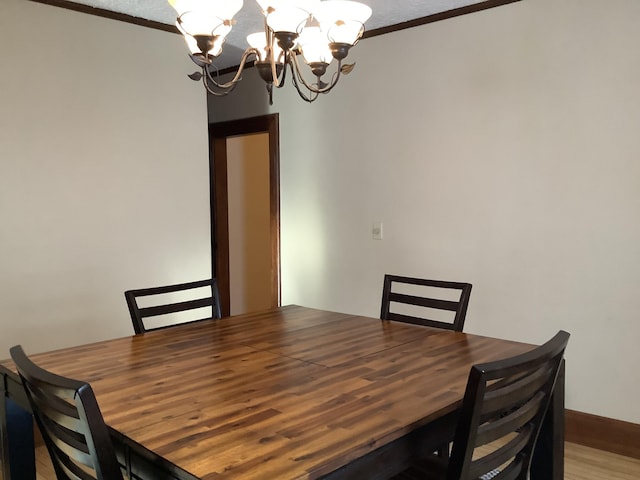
581	463
585	463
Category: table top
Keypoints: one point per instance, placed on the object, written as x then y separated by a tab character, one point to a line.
290	393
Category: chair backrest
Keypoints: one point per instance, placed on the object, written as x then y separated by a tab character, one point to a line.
70	421
206	295
423	302
502	412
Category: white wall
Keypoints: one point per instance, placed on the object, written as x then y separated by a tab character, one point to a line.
499	148
103	173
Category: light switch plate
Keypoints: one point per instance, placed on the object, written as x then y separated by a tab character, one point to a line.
376	231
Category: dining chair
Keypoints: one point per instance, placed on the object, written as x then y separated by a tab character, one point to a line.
501	415
169	301
433	303
69	419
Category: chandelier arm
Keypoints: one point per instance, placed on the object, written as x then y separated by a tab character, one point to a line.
214	90
237	77
312	95
279	82
270	36
328	88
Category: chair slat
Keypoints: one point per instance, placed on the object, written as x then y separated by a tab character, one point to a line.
511	422
176	307
144	292
54	406
502	455
73	471
161	307
426	322
515	393
393	298
72	443
424	302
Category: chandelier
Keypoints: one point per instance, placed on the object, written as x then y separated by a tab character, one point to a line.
298	35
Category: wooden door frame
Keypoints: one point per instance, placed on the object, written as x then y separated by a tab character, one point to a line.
218	194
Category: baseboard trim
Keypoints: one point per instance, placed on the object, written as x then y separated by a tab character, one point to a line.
603	433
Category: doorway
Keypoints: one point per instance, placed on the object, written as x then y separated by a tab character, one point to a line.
247	270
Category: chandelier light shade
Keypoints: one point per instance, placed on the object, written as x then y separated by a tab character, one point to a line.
298	34
258	41
343	20
287	15
314	48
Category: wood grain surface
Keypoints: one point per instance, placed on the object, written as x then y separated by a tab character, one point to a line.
291	393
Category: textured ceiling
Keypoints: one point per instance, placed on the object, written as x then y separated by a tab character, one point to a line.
249	19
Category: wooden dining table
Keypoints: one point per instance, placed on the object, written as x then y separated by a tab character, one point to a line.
289	393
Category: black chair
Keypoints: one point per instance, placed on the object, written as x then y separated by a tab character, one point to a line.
428	303
163	307
502	412
70	421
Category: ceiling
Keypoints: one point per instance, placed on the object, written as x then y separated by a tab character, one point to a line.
386	13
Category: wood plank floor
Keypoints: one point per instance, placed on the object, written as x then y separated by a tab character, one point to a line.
584	463
581	463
